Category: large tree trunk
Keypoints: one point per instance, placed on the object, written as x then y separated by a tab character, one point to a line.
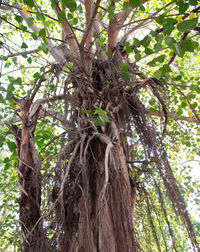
101	222
97	206
98	211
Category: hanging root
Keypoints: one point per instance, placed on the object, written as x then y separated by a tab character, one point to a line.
107	141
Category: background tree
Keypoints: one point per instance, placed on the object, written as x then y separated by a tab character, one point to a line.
96	95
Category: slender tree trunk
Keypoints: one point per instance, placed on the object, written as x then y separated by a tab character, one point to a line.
29	183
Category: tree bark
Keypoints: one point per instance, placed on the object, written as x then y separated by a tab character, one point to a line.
33	238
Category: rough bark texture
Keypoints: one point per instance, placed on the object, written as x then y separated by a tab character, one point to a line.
29	183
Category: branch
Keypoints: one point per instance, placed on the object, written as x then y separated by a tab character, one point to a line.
20	53
116	24
70	37
89	22
174	116
54	52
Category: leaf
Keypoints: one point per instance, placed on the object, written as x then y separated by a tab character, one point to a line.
183	7
137	42
160	19
24	45
30	21
124	67
146	42
169	40
61	16
109	54
23	28
138	57
75	21
29	3
19	19
148	51
189	45
168	25
157	47
190	113
105	118
187	25
70	4
125	76
117	68
178	49
99	122
158	74
36	75
34	35
135	3
166	69
42	33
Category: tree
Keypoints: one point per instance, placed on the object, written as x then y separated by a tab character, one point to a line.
96	90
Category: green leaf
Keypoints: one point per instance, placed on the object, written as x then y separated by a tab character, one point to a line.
19	19
29	60
189	45
34	35
70	4
135	3
30	21
193	2
105	118
125	76
157	47
168	25
42	69
117	68
100	16
165	69
24	45
99	110
169	40
86	111
70	15
138	57
158	74
61	16
148	51
160	19
75	21
187	25
42	33
11	146
146	42
40	17
159	59
29	3
99	122
36	75
23	28
182	7
178	49
53	5
137	42
124	67
109	54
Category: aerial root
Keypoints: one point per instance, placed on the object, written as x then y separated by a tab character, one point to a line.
107	141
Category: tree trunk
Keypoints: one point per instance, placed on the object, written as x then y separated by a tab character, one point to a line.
95	221
29	183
